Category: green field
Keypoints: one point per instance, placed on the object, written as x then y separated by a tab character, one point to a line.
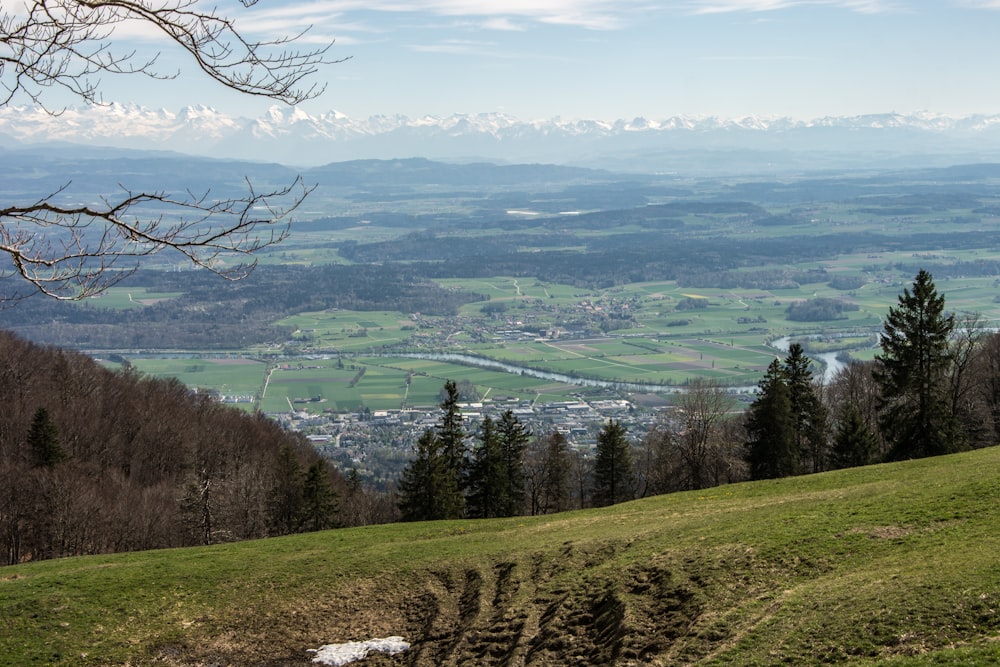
659	344
230	377
895	564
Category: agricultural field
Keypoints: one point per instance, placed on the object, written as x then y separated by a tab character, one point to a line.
349	360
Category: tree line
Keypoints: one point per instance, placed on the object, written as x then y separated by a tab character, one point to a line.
502	471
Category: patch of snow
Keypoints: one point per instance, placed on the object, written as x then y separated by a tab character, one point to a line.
342	654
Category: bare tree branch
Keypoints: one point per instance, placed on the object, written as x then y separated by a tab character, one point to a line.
71	252
76	252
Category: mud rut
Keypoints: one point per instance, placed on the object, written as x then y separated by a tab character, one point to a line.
549	611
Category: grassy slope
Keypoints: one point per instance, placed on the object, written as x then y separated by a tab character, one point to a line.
897	562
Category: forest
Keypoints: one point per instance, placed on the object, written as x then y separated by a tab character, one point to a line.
95	461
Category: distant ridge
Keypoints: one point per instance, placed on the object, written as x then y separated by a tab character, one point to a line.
292	136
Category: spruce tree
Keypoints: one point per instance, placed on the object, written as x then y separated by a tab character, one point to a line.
451	436
770	428
319	500
487	476
284	502
613	477
912	370
427	488
43	441
808	412
854	444
513	437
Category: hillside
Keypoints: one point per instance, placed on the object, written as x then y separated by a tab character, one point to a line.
897	563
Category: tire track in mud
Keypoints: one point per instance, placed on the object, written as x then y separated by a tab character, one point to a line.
543	611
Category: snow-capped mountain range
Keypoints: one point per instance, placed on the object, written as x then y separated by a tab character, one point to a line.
291	136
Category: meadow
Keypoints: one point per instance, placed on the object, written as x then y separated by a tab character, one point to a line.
895	564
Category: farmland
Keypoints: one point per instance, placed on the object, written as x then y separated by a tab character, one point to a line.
650	280
725	338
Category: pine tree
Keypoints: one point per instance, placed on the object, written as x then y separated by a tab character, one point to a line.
808	413
912	371
854	444
613	478
43	441
451	436
427	488
319	500
487	476
770	428
285	500
513	444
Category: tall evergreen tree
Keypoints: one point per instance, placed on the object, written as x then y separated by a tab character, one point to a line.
43	441
319	500
428	489
513	438
808	413
613	478
284	502
487	476
451	436
770	428
912	370
854	444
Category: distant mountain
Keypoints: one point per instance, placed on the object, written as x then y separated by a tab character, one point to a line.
679	143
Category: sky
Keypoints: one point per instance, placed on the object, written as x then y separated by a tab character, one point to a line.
611	59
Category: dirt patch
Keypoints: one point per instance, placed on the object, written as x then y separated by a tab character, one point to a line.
567	606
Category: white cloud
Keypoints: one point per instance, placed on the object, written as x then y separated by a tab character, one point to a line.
502	23
723	6
502	14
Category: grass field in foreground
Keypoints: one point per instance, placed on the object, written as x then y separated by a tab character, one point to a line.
896	564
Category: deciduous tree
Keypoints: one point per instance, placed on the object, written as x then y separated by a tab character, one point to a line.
69	250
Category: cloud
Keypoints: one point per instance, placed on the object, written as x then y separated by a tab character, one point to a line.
724	6
499	14
502	23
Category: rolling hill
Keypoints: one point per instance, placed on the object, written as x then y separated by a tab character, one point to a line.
894	564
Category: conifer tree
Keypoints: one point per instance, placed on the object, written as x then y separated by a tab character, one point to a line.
285	501
513	438
613	477
319	500
43	441
912	371
770	428
451	436
556	476
854	444
808	413
487	476
427	488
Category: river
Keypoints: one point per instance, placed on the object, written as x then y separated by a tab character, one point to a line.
832	365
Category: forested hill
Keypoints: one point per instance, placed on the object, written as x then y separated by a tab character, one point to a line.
93	461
